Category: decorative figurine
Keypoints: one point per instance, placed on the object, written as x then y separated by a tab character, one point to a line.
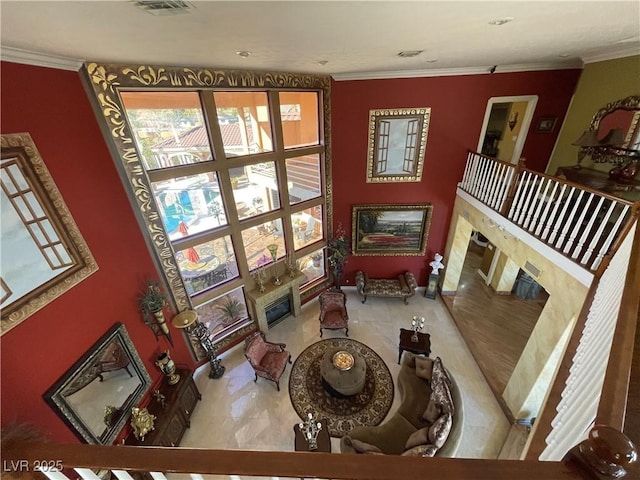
436	264
432	283
160	398
198	330
142	422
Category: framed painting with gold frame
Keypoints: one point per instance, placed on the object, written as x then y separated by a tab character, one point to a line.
390	229
397	142
43	252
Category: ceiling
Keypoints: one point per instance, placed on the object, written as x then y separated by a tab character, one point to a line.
355	39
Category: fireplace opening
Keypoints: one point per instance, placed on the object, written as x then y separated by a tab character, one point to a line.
278	310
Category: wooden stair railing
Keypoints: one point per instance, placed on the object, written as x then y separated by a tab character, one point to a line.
613	397
283	464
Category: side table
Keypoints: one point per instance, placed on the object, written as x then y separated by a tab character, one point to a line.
421	347
324	440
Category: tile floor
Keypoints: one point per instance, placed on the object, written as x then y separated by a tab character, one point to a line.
236	413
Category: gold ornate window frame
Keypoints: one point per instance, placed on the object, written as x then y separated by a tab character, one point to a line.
105	81
399	131
38	186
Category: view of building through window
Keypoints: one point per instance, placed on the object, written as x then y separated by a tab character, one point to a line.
227	190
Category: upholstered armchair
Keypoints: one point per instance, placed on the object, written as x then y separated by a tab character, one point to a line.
333	311
268	359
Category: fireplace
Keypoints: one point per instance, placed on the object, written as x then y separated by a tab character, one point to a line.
287	293
279	309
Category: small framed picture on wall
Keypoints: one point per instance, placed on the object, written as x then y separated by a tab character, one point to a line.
546	124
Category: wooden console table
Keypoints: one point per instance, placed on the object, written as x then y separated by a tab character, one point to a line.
600	181
172	421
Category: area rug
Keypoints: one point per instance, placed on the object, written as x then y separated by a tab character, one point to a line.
342	414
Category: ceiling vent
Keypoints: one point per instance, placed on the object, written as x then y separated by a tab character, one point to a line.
164	7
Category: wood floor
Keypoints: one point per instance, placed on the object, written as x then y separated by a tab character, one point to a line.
495	327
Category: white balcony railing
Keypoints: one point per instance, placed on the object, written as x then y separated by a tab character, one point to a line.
582	224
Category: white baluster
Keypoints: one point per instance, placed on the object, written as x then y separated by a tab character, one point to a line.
578	225
612	235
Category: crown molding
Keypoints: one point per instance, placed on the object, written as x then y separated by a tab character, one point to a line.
445	72
39	59
620	52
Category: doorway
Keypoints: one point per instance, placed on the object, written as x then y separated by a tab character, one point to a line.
505	126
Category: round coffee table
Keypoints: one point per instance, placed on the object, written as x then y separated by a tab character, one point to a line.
343	371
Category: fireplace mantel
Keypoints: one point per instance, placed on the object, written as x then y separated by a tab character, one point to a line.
259	300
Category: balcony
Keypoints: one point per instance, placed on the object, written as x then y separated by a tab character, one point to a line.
582	224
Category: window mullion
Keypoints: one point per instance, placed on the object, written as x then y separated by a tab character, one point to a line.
224	179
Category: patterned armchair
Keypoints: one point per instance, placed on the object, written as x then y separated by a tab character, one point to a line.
333	311
268	359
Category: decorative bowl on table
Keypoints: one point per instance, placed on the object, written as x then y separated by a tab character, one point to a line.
343	360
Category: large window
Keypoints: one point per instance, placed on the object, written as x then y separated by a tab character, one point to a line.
231	165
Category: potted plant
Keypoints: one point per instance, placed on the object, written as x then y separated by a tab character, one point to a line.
152	301
230	310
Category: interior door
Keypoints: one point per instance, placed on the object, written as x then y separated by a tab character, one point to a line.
505	126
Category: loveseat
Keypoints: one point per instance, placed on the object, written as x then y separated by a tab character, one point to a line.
404	286
420	427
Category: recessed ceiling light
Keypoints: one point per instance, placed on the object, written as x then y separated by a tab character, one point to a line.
243	53
501	21
564	55
323	62
410	53
431	60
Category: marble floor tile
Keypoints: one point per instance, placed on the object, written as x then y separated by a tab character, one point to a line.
236	413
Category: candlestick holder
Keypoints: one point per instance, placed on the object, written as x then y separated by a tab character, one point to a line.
417	324
259	275
273	250
292	266
310	430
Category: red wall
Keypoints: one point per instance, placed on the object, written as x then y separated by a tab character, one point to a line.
458	104
52	106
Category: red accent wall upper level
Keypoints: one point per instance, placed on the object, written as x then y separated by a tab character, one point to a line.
51	105
458	105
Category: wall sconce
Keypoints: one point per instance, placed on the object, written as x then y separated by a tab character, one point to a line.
513	121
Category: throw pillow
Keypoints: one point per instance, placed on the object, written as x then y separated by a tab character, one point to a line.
442	395
363	447
424	367
433	411
439	373
439	431
419	437
421	451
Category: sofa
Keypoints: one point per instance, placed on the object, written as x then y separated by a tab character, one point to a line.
428	421
404	286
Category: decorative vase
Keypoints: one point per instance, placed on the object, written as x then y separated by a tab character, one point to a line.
273	250
168	367
615	173
629	171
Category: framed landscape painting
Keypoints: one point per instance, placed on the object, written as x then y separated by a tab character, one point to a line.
390	229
